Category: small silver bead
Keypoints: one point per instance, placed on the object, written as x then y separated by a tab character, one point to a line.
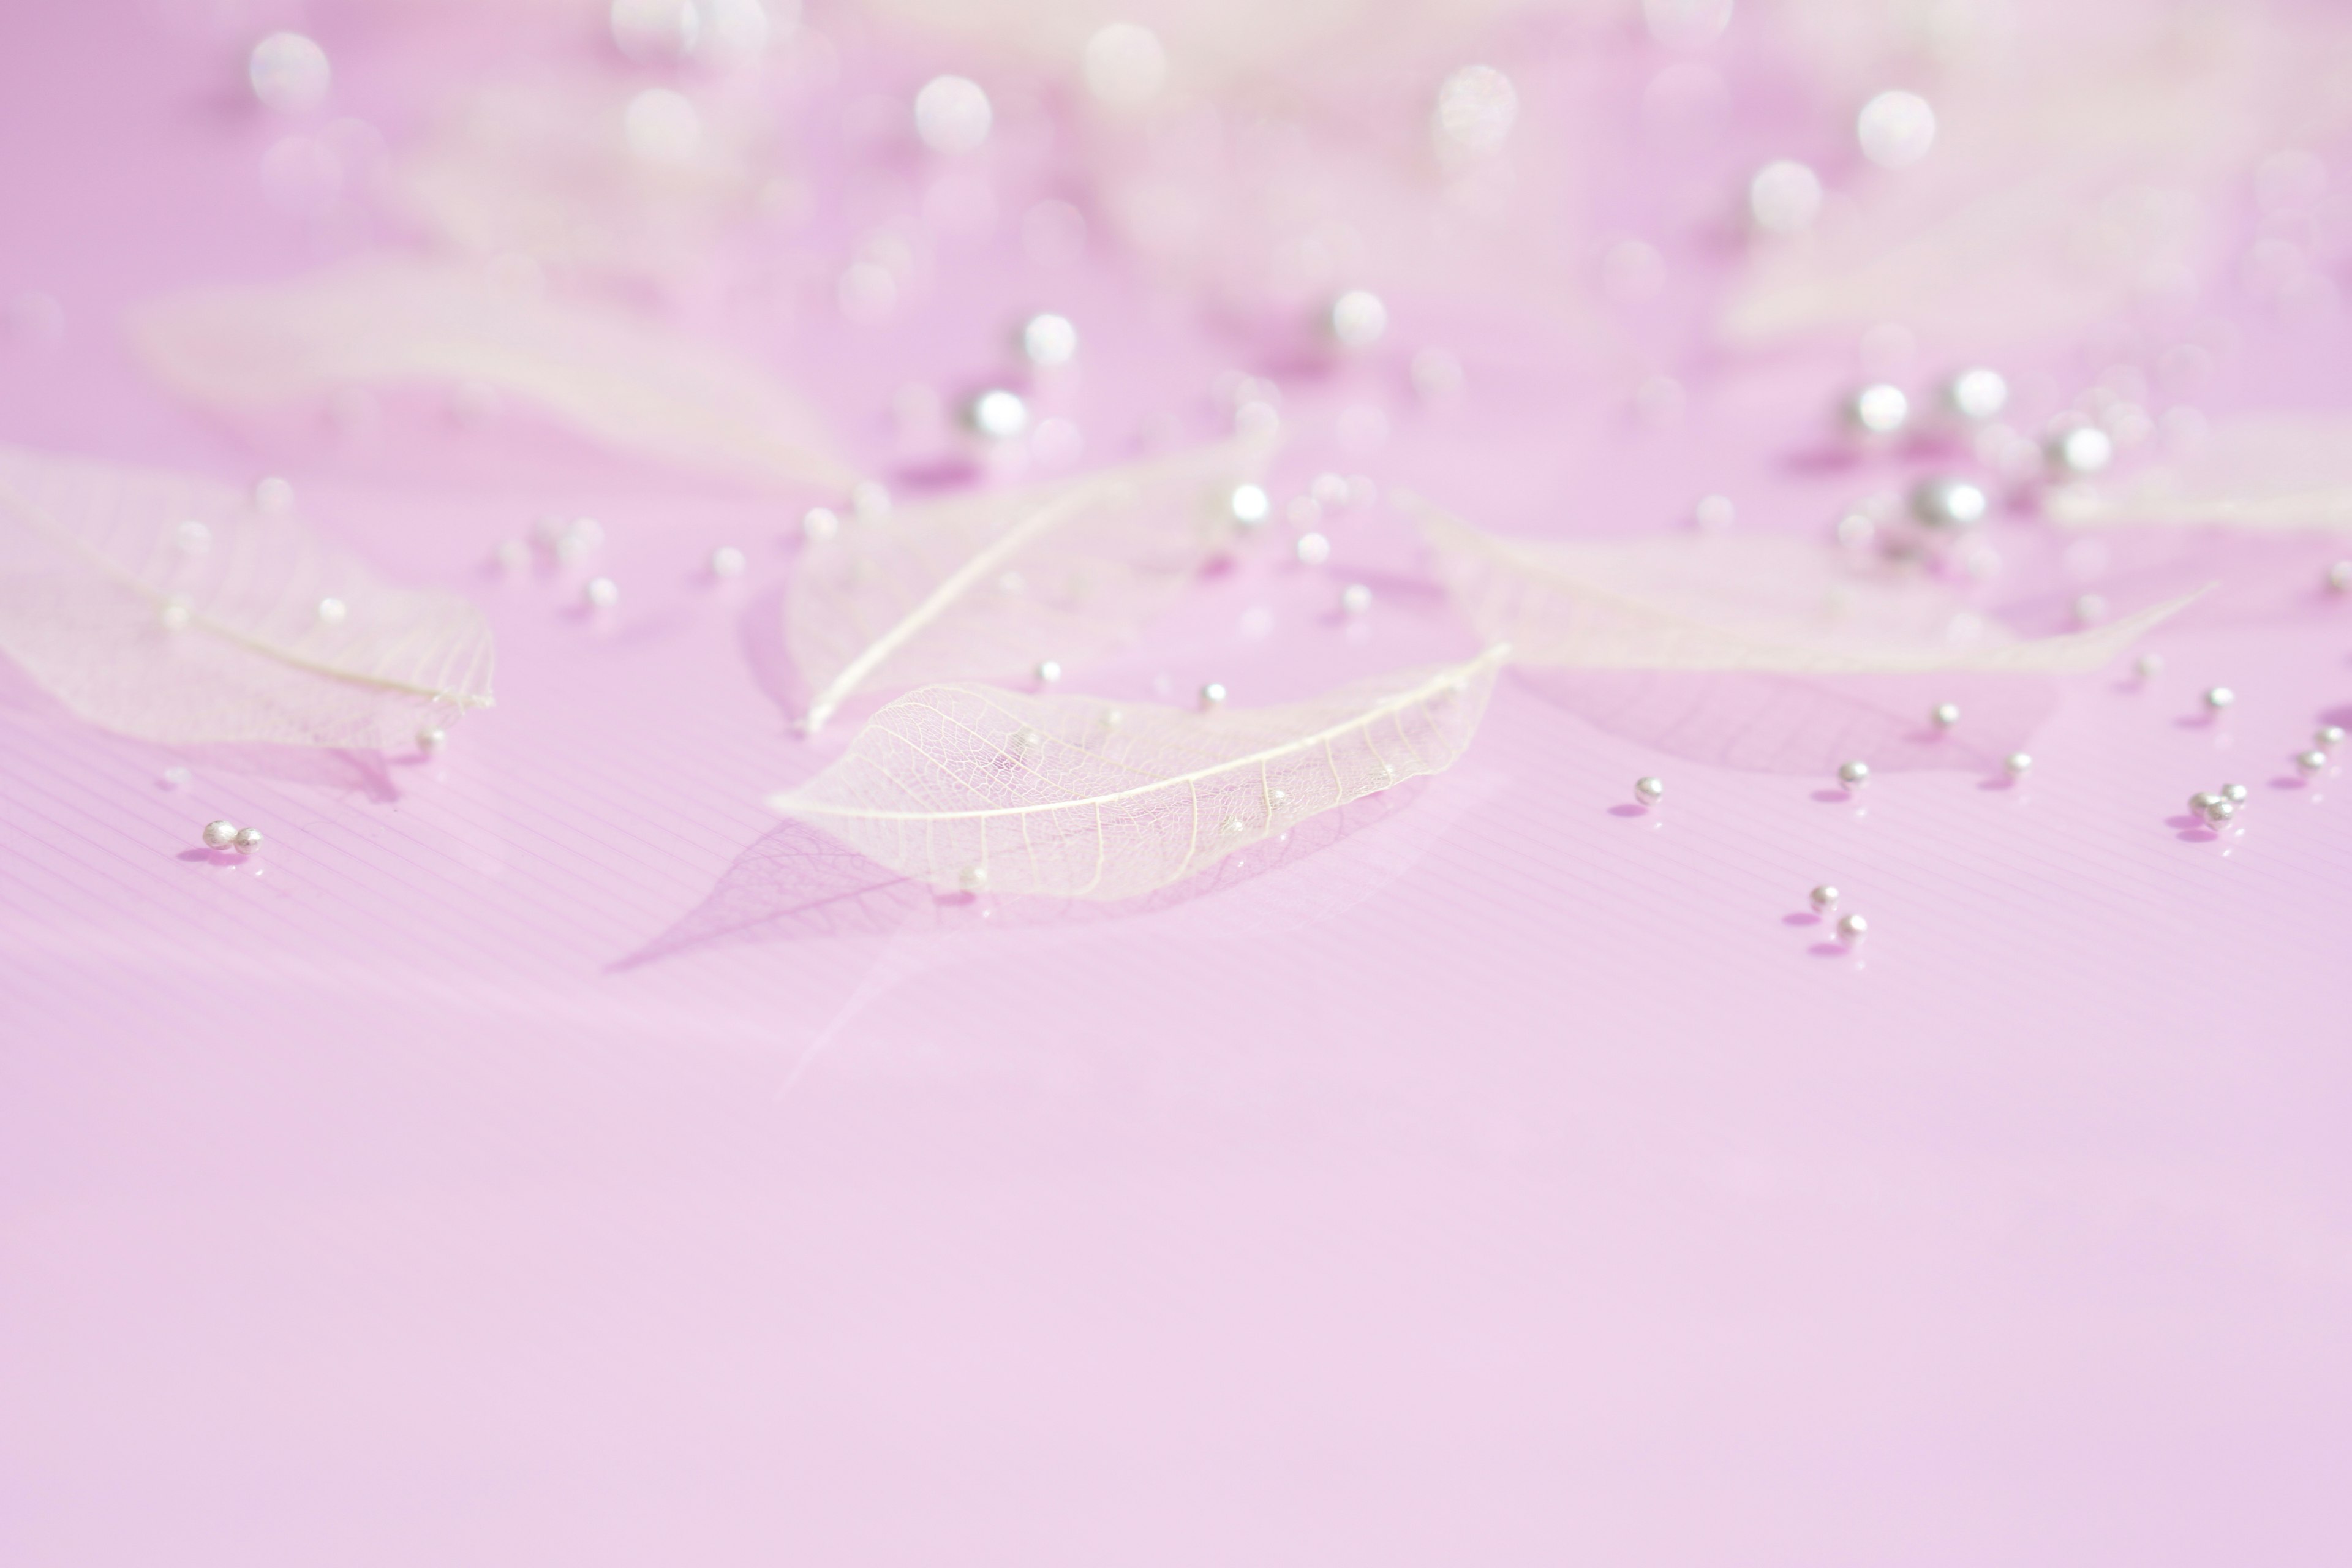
1823	898
1048	340
2328	736
431	739
176	613
2148	666
1650	791
2220	812
1854	776
2234	793
2218	697
726	562
1944	503
1313	550
1212	696
1976	395
997	415
2080	452
1878	410
601	592
333	612
1250	505
220	835
1049	670
2202	801
248	840
1853	927
1358	319
1945	715
2311	761
2339	578
2018	763
1234	825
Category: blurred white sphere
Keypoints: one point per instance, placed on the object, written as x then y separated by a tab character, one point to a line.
288	72
655	30
1476	107
1784	197
1048	340
1125	66
952	114
1358	319
1687	24
662	126
1896	130
997	415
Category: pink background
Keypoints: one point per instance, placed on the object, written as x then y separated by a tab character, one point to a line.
1514	1180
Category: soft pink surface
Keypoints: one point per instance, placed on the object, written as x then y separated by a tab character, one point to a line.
1515	1181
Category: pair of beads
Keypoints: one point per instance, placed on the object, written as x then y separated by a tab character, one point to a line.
227	835
1851	928
2218	806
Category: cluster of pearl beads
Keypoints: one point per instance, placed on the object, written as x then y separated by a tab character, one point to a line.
2324	742
227	835
1851	928
2218	806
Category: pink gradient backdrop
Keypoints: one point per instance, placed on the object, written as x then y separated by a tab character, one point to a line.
1511	1182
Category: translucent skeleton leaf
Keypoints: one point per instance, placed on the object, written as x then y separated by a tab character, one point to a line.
993	583
629	382
2265	472
974	787
178	610
1740	603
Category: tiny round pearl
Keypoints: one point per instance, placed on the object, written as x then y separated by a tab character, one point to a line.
2082	450
1212	696
220	835
1878	410
1853	927
431	739
1824	898
1650	789
333	612
601	592
1355	598
1944	502
2234	793
1358	319
289	73
1713	514
1313	550
2090	609
1854	776
1049	670
997	415
2202	801
248	840
2018	763
2220	812
972	878
819	523
2311	761
2149	666
1976	395
1250	505
2328	736
2218	697
1048	340
726	562
2339	578
1945	715
1278	798
175	614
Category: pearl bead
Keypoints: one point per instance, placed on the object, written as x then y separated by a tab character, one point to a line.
1278	798
1853	927
1945	715
2328	736
431	739
2082	450
2220	812
1313	550
1854	776
2090	609
2234	793
952	115
1049	670
1976	395
1713	514
819	524
1878	410
1212	696
1650	789
1358	319
1823	898
513	555
220	835
1897	129
333	612
997	415
2339	578
601	592
248	840
2018	763
1048	340
175	613
2148	666
289	73
726	562
2311	761
1944	502
972	878
1250	505
2202	801
2218	697
1355	598
1784	197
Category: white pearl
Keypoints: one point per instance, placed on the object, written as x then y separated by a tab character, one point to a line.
726	562
1125	65
1897	129
2218	697
1784	197
2081	450
175	613
819	524
2220	812
2018	763
1049	670
1976	395
1853	927
1048	340
2235	793
1945	715
952	115
601	592
2149	666
431	739
1278	798
288	72
1650	789
2202	801
1358	319
997	415
1878	410
220	835
1854	776
972	878
1212	696
176	778
1823	898
1713	514
333	612
1946	502
579	539
2339	578
2311	761
1250	505
1313	549
2328	736
513	555
2089	609
1355	598
248	840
